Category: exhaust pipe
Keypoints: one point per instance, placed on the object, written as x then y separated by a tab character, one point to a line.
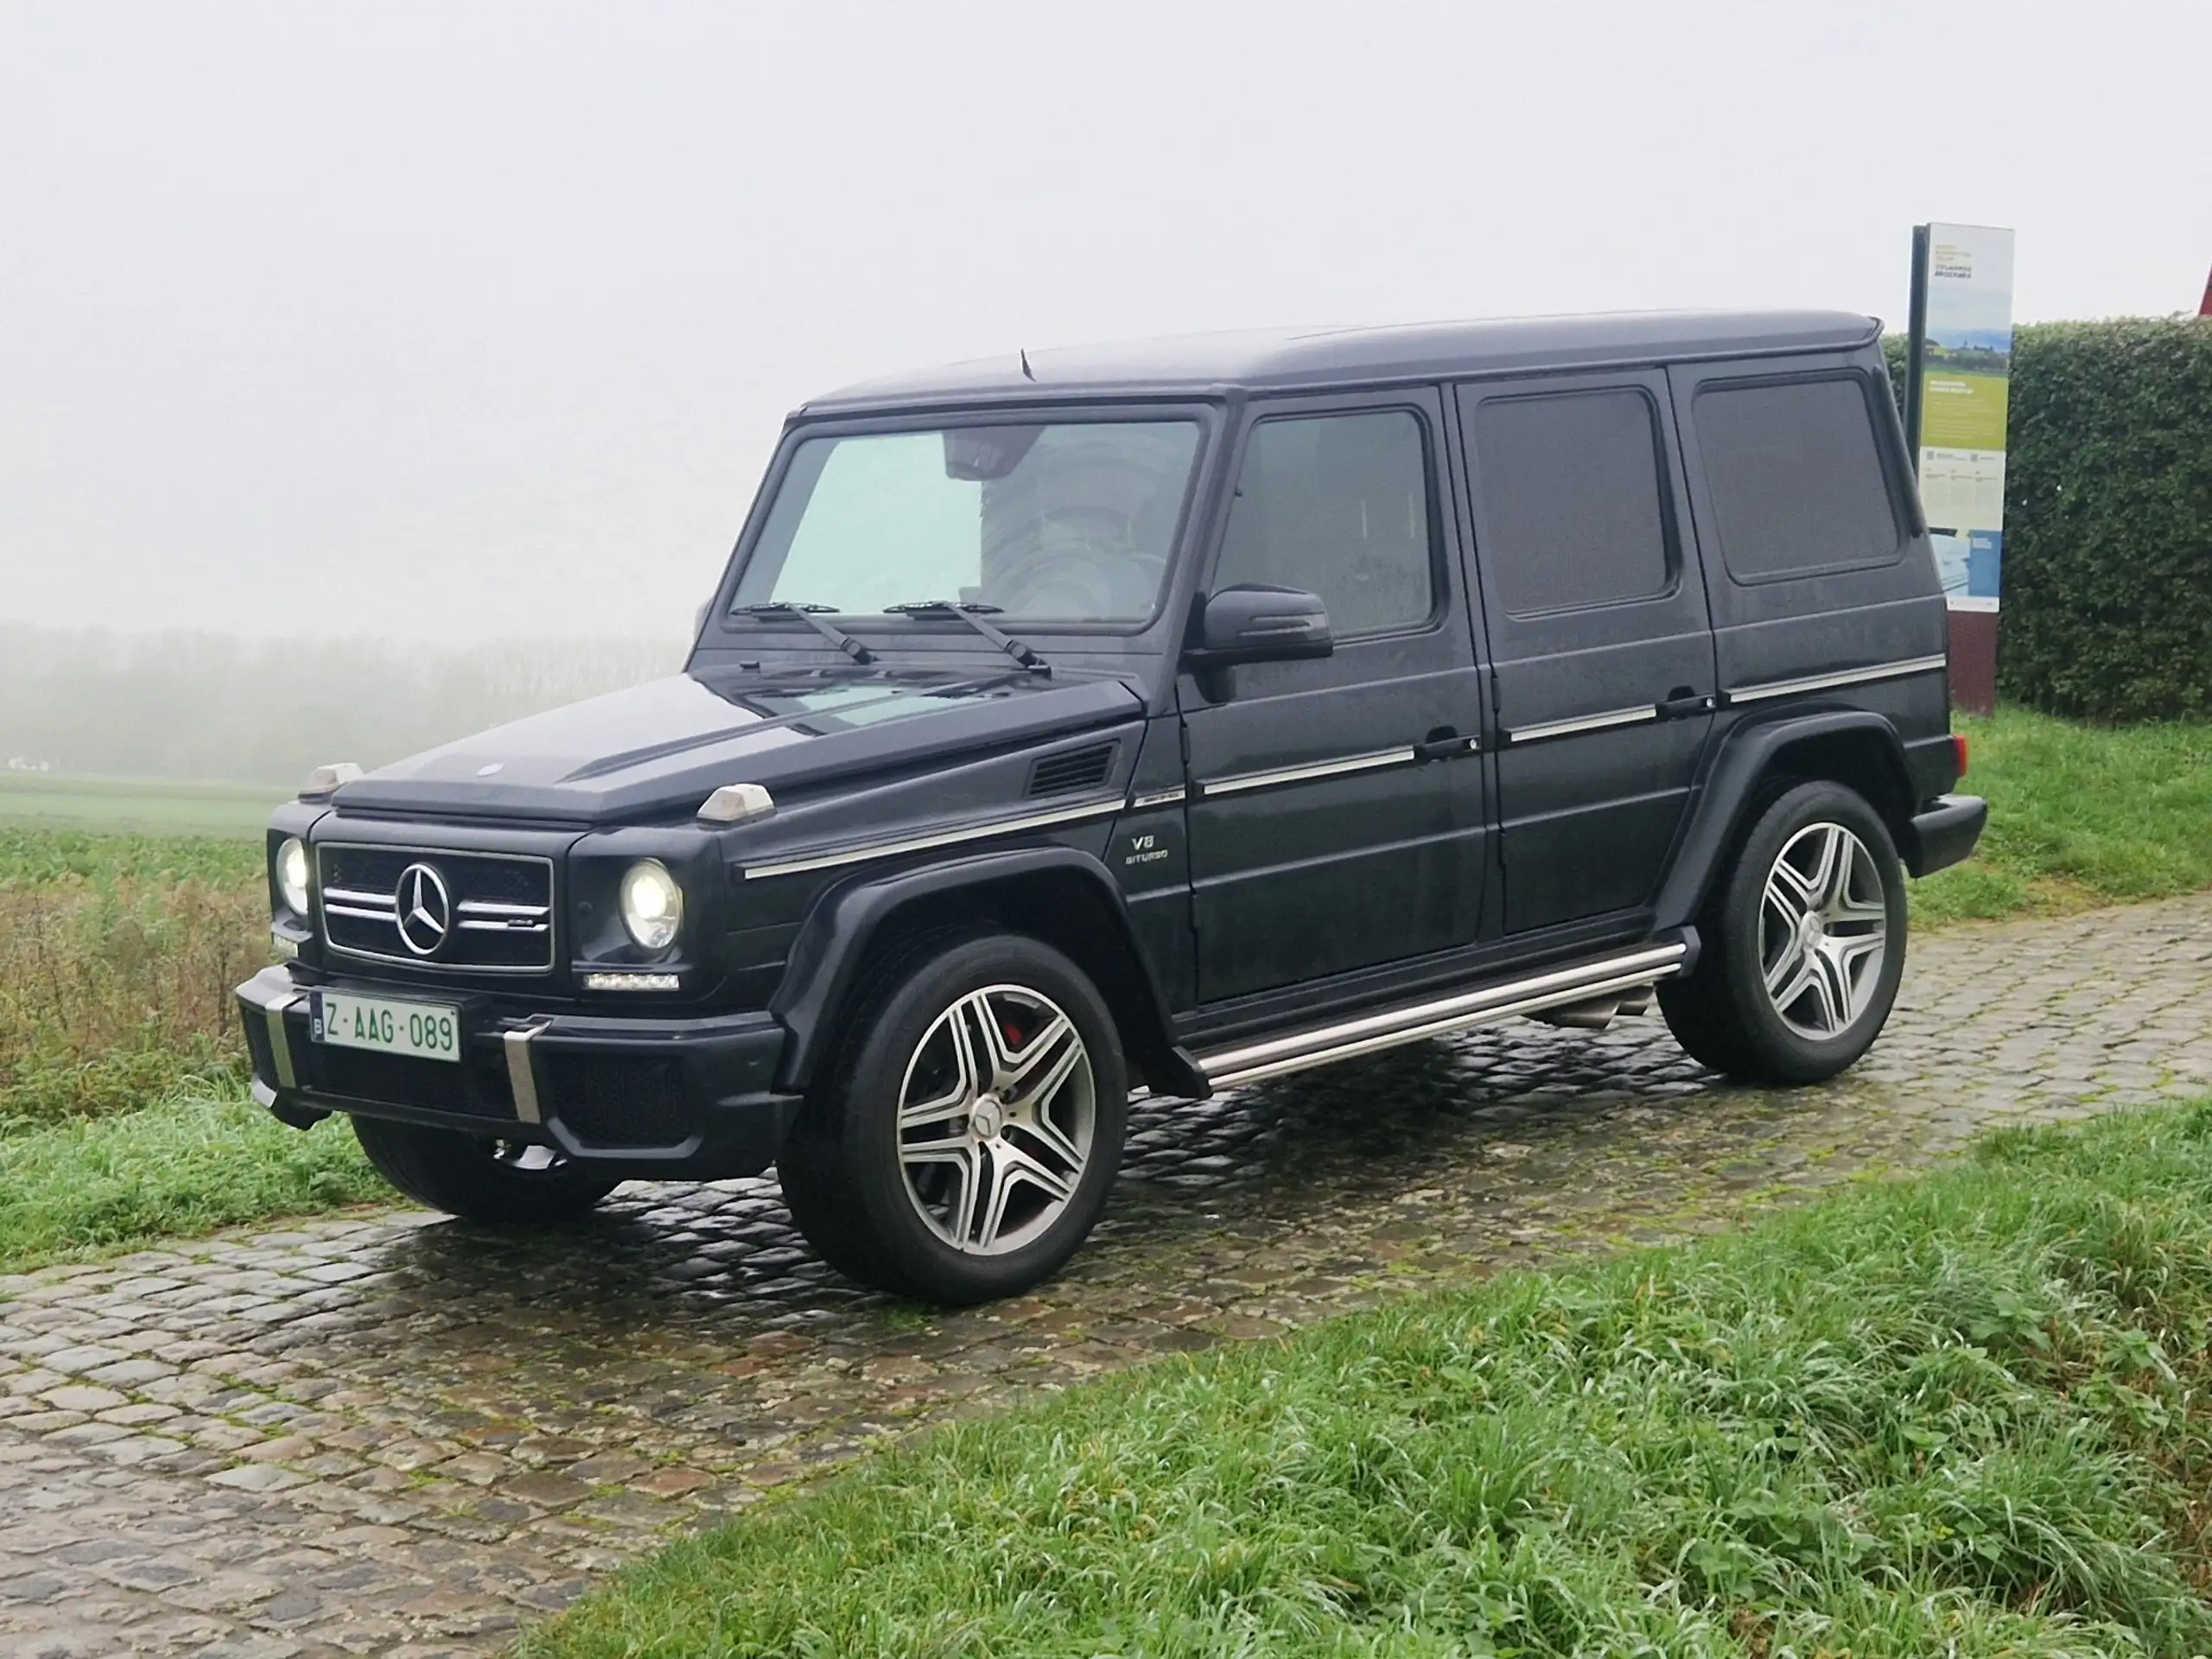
1599	1013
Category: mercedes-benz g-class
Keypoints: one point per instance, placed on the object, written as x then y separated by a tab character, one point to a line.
1171	716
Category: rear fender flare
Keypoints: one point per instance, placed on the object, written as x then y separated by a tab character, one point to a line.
1754	751
846	922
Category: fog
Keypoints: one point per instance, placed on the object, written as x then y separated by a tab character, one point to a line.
213	706
450	321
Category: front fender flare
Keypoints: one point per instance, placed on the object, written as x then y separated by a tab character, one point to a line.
1748	753
843	923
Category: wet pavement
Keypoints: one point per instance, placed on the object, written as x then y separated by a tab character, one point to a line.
393	1433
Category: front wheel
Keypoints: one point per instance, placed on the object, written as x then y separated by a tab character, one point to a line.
479	1179
1804	944
970	1126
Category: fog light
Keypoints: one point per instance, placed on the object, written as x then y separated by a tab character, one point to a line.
292	875
652	905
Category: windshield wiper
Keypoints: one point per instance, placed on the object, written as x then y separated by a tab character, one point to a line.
812	615
972	614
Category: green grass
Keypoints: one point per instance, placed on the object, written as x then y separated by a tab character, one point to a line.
1961	1415
31	857
154	806
186	1166
2079	816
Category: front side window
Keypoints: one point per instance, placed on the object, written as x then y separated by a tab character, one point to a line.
1060	522
1338	505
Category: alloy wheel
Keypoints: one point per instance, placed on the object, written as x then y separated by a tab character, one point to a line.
1823	929
997	1115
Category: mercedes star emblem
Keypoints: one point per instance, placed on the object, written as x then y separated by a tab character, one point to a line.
424	909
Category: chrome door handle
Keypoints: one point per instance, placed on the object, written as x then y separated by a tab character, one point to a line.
1443	746
1681	702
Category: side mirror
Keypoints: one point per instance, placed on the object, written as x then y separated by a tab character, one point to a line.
1250	623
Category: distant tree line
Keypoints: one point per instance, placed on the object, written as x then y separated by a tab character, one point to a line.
210	706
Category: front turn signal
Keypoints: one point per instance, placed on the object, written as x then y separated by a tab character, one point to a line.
736	803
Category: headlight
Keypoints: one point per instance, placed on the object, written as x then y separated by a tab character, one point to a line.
652	905
292	875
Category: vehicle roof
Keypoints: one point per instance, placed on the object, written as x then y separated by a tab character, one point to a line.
1272	360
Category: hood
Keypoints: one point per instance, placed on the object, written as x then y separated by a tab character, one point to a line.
664	746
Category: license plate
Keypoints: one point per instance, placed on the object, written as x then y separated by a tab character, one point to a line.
428	1030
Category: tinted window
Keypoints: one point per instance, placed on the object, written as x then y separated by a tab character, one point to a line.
1572	512
1797	484
1338	505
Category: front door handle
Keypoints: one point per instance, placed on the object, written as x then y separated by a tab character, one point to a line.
1443	744
1681	703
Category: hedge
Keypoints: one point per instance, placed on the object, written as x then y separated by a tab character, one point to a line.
2107	519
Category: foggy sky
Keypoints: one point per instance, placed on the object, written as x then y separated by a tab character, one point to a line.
434	320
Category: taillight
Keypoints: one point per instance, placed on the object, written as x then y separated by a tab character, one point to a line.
1958	751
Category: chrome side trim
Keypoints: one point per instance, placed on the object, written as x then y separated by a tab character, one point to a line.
1157	797
1544	728
942	838
1759	691
1388	1029
522	1077
1237	783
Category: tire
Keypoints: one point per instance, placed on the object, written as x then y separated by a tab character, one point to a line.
1804	944
1034	1117
477	1178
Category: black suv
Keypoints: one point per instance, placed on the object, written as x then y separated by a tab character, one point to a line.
1167	716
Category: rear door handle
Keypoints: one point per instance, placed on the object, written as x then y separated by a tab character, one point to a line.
1443	744
1681	703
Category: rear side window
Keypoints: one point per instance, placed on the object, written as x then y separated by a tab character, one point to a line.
1337	504
1572	514
1796	482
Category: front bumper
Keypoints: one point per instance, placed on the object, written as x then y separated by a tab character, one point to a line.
1943	833
689	1098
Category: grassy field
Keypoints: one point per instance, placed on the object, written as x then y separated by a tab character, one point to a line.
1964	1415
2079	816
117	953
190	1164
46	800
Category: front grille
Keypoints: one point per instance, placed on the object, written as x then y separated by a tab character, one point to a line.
474	1087
1056	774
492	912
617	1100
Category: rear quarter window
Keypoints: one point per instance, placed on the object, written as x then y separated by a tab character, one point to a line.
1796	478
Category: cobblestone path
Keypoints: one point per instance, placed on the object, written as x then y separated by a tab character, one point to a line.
398	1435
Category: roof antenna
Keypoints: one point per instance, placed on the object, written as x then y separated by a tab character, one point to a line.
1028	372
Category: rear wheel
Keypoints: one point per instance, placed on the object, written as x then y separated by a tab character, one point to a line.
479	1179
1804	944
966	1136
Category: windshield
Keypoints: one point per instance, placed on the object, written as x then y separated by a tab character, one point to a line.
1064	522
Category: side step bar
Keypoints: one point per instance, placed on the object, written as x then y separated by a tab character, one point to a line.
1583	982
